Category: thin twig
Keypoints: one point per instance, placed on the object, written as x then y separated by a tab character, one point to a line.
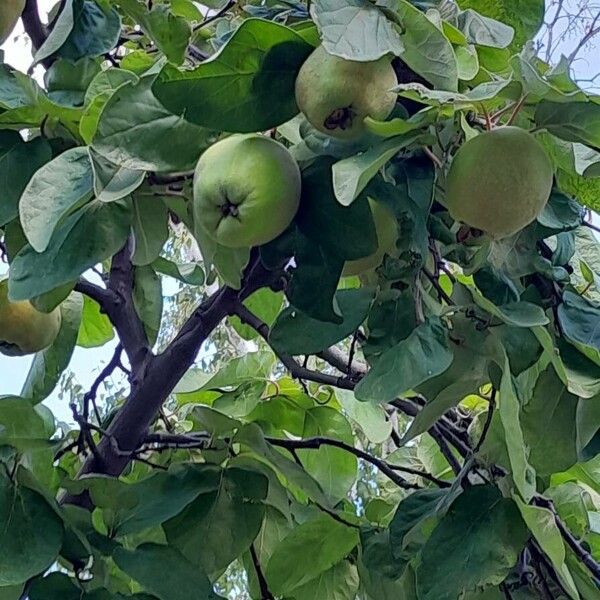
488	422
265	593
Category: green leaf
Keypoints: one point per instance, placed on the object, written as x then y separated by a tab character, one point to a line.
170	33
85	238
574	122
334	469
150	228
542	524
113	182
177	579
548	421
67	81
148	300
19	160
136	131
56	190
95	329
31	534
346	231
427	51
21	424
580	321
49	364
369	417
509	406
484	31
351	175
95	31
492	535
524	16
60	31
265	304
296	333
341	23
309	550
217	527
421	356
190	273
247	86
338	583
411	513
315	280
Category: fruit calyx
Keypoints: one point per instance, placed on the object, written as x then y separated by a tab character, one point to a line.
340	118
228	209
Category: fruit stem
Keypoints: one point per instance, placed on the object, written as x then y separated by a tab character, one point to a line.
434	159
518	106
488	122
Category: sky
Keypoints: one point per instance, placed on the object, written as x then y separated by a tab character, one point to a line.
86	364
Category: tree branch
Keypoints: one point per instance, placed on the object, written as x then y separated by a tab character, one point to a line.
122	312
584	556
298	371
265	593
34	27
159	377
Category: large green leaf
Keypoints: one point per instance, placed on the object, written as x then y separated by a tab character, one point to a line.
136	131
113	182
427	50
85	238
549	428
523	474
31	533
574	122
524	16
492	535
342	23
21	424
338	583
580	320
421	356
18	162
247	86
308	551
217	527
176	579
369	417
351	175
170	33
296	333
56	190
345	230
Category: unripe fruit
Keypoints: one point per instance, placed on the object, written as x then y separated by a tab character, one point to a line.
24	329
386	229
336	94
499	181
246	190
10	11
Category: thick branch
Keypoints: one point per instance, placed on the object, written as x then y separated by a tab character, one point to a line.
33	25
160	376
122	313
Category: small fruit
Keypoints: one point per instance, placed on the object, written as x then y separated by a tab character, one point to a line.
10	11
499	181
246	190
336	94
24	329
386	229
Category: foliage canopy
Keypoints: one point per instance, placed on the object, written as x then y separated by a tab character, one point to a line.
427	430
